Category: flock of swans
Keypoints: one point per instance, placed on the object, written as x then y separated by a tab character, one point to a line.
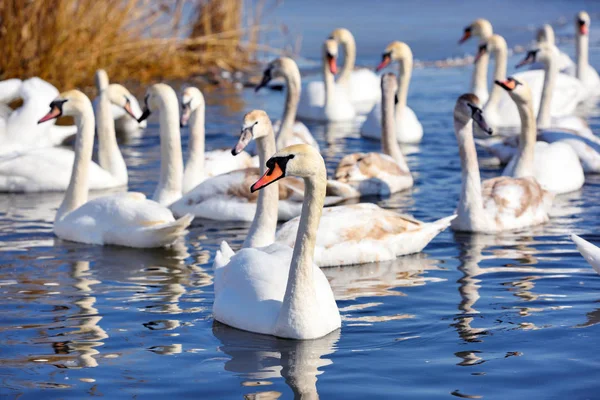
274	284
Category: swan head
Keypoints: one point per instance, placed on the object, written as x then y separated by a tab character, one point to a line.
191	99
495	42
467	108
545	34
395	51
518	91
71	103
278	68
301	160
542	54
156	96
481	28
256	125
121	97
342	35
330	54
582	23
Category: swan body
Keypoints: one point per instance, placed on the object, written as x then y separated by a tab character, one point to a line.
18	129
20	171
275	290
363	233
200	164
590	252
289	131
498	204
407	126
501	112
125	219
335	105
379	173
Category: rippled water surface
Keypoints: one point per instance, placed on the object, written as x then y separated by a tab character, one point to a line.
474	316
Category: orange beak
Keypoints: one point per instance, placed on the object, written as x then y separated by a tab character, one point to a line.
507	84
52	114
269	177
465	37
127	108
583	29
384	63
332	64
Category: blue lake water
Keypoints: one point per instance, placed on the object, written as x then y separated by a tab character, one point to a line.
514	315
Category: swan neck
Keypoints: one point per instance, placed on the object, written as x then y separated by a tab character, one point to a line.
329	83
389	142
500	55
404	75
292	99
263	227
349	47
479	80
109	155
470	205
582	50
524	166
550	74
300	293
77	191
171	159
194	167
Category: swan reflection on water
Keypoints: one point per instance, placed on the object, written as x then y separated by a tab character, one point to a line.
258	358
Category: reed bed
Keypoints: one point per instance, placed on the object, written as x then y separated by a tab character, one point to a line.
65	41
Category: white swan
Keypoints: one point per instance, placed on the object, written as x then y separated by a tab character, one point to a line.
362	85
125	219
124	124
200	164
408	127
18	130
289	131
555	166
584	71
228	197
501	111
481	28
48	169
497	204
334	106
545	36
379	173
254	290
162	98
590	252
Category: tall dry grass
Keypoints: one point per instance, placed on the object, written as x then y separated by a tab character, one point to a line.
65	41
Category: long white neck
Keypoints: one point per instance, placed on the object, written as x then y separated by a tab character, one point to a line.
404	75
349	46
389	142
550	75
169	187
582	50
263	227
524	165
286	130
194	167
77	192
470	205
299	302
479	81
109	155
499	74
329	82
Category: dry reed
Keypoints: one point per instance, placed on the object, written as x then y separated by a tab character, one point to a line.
65	41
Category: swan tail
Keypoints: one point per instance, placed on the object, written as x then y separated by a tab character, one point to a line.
338	192
441	224
590	252
165	235
223	255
